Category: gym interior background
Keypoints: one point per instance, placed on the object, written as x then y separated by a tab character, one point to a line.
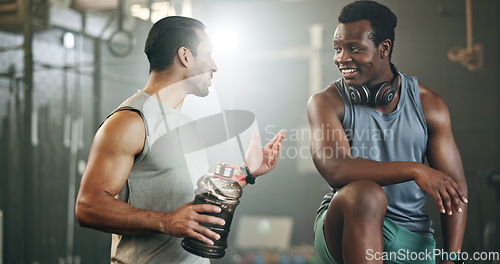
64	65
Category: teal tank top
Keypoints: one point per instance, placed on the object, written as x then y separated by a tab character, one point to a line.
397	136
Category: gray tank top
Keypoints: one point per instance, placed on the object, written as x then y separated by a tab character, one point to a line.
397	136
161	180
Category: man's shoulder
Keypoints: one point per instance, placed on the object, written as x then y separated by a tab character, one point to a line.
124	120
121	133
327	96
433	106
429	98
331	92
328	99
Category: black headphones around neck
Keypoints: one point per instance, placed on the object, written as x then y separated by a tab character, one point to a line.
383	95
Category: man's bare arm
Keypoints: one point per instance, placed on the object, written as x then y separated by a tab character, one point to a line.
111	158
443	155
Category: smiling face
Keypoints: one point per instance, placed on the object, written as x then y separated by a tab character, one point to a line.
204	66
358	59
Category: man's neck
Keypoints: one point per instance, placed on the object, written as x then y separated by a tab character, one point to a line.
169	89
393	105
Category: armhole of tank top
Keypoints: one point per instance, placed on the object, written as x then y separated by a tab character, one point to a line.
145	149
416	93
340	86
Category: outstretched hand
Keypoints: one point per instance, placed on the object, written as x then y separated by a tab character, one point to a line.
261	160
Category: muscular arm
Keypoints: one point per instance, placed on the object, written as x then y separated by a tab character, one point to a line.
331	151
331	155
443	155
111	158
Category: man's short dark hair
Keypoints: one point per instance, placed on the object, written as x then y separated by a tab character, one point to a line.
382	19
167	36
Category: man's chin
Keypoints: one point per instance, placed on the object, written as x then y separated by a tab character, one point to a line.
202	93
352	83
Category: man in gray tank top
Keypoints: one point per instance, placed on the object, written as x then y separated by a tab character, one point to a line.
138	180
378	126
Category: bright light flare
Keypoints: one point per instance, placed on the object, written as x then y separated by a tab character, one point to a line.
224	40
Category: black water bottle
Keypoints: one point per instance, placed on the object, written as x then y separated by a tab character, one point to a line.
222	190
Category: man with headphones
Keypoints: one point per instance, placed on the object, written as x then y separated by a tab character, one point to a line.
389	124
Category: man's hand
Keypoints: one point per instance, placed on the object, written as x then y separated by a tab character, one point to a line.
261	160
445	191
185	222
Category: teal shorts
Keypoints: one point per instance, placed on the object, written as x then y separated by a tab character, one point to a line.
400	244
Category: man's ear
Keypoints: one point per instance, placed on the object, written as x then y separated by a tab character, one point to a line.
385	48
183	55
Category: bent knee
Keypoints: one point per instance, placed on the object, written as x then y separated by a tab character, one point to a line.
363	197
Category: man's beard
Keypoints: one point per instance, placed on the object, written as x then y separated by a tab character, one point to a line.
199	84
